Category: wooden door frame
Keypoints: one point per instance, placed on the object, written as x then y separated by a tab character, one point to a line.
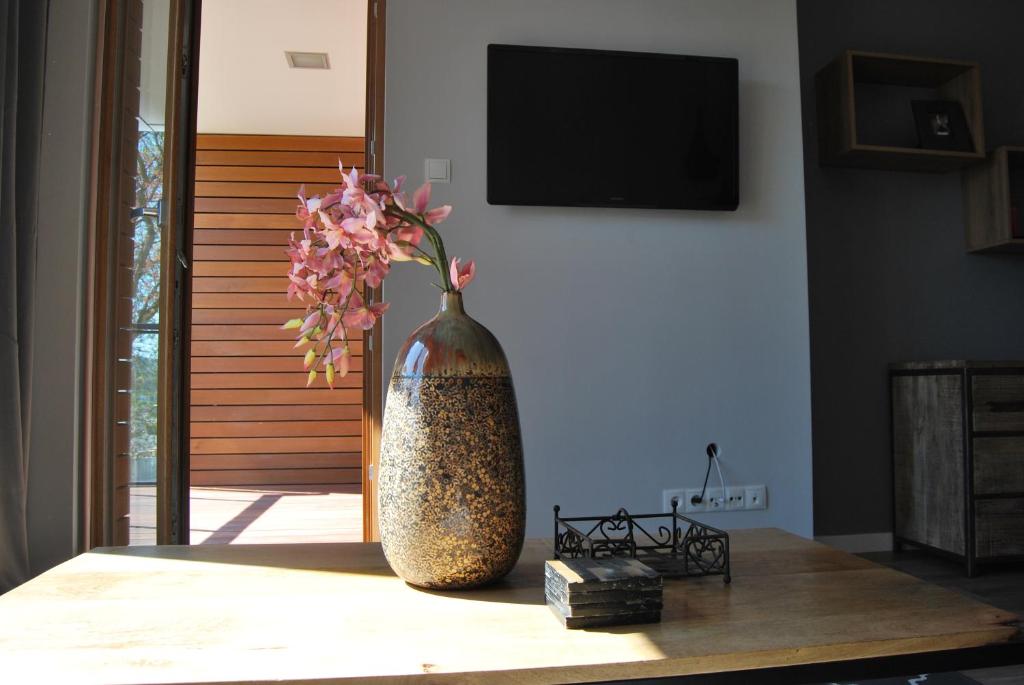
373	401
96	386
96	511
173	500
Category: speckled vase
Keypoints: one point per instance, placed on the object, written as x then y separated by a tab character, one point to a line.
452	490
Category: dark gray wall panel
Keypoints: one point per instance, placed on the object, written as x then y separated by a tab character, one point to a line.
889	277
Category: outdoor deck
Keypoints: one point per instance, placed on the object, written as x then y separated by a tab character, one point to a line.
259	515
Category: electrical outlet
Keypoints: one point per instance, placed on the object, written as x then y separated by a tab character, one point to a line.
685	496
715	499
735	498
688	504
756	497
667	495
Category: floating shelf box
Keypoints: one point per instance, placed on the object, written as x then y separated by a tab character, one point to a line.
991	190
864	114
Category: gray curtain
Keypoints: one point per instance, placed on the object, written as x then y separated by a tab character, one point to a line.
22	58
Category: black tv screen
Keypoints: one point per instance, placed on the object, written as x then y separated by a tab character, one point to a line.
595	128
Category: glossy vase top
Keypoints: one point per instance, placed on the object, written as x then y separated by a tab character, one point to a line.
451	344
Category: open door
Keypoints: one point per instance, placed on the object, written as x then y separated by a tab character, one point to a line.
139	208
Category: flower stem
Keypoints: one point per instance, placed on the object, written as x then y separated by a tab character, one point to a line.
329	334
440	258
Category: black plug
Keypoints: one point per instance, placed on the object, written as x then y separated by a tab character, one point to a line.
712	452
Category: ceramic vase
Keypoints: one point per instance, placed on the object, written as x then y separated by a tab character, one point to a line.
452	492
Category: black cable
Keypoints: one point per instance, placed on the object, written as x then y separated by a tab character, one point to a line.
700	498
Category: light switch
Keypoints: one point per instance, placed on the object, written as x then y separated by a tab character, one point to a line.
438	170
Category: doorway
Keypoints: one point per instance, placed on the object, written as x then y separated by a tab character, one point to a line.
278	106
187	381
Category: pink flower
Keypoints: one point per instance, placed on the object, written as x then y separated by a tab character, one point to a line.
340	282
360	316
461	276
298	286
403	242
340	359
329	200
392	193
376	271
350	238
355	195
333	233
301	210
311	321
357	228
436	216
421	198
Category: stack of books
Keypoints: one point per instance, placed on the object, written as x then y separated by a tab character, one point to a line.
586	593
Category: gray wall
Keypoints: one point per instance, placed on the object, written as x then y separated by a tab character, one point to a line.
54	449
888	275
634	337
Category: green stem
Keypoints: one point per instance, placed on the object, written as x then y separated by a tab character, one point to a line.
425	254
440	258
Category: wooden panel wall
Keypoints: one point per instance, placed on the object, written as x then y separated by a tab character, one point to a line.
253	421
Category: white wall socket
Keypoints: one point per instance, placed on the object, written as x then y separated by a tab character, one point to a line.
756	497
715	499
685	495
735	498
667	495
689	506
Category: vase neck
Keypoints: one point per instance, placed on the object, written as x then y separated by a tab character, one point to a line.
451	302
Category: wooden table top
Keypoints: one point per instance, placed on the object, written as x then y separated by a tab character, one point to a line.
335	611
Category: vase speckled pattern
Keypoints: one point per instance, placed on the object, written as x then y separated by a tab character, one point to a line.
452	488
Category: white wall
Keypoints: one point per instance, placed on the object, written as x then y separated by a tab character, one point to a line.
59	287
634	336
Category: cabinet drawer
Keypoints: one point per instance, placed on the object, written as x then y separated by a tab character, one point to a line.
999	466
999	527
998	402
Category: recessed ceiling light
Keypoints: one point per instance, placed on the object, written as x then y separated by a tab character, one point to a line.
307	60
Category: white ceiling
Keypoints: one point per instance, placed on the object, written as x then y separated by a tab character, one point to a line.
246	86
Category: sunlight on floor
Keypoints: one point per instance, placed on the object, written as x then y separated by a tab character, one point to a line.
260	514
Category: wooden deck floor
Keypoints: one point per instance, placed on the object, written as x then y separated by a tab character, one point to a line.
259	515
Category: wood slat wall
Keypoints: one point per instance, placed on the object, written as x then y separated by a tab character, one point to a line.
253	421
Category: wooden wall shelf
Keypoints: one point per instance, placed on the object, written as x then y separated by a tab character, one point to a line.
992	191
865	118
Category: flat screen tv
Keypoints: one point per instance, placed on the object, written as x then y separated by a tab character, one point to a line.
596	128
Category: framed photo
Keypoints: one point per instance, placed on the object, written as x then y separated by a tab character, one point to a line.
941	125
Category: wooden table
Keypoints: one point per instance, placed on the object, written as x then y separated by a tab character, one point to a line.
335	611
